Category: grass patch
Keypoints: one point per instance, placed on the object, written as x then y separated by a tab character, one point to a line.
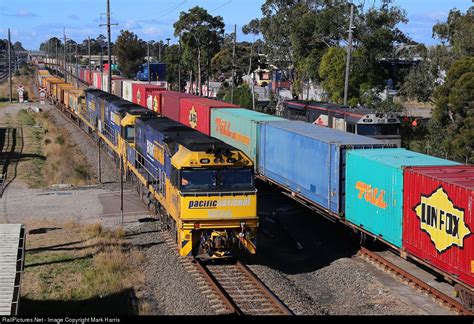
50	155
76	263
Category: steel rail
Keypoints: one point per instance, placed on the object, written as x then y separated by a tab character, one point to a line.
276	301
445	299
217	287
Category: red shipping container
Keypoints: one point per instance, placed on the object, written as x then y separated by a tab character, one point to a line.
170	103
196	112
153	100
140	92
438	218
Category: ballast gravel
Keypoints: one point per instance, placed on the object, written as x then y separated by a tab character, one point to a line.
169	289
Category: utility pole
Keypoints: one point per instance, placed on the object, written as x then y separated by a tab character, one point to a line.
349	52
89	50
77	70
70	60
159	51
10	66
148	61
109	49
179	67
233	64
65	71
57	58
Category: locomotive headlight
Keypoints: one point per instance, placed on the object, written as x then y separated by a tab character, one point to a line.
231	160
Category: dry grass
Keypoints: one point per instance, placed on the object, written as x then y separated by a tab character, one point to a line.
26	80
53	157
70	262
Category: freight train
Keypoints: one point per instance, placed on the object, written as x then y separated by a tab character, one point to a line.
202	188
420	206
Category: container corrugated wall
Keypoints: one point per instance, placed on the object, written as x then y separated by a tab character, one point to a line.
374	189
196	112
240	128
308	159
439	218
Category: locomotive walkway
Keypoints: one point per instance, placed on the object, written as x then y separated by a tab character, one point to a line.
12	250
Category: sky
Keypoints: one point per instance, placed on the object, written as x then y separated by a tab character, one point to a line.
33	21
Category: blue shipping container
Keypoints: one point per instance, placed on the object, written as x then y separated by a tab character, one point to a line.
374	189
309	160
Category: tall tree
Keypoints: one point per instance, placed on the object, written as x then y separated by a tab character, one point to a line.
458	31
201	34
454	112
130	52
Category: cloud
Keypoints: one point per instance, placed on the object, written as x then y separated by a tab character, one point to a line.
73	17
151	31
22	13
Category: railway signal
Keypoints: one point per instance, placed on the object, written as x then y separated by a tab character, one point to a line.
42	93
21	90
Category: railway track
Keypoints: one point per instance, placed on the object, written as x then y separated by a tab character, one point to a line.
231	286
413	281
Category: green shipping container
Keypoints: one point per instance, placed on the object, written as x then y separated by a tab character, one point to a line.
374	189
239	127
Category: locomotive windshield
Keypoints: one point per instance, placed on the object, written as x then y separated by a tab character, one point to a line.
226	179
378	129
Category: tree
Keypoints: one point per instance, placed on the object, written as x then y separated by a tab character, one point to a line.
454	112
130	52
331	72
242	96
458	31
171	58
201	35
50	46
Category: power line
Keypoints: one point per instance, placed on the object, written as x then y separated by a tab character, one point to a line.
225	4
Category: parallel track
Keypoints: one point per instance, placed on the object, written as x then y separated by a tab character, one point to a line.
414	282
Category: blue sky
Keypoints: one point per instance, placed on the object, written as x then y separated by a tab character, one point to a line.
34	21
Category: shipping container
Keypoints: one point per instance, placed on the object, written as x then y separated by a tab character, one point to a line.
141	92
170	101
439	218
97	79
240	128
81	73
196	112
153	101
309	160
105	82
374	189
117	87
127	89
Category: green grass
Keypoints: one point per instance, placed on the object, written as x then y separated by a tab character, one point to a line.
25	118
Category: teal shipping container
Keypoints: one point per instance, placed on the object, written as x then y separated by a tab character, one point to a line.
374	189
240	128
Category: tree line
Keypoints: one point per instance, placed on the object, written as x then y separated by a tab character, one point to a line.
307	42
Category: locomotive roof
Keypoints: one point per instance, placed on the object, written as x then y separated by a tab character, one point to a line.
300	104
186	136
